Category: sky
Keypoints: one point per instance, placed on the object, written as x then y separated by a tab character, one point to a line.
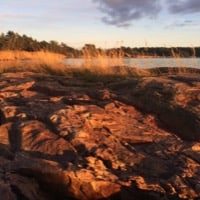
105	23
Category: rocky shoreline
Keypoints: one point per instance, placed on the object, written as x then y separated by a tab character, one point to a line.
63	138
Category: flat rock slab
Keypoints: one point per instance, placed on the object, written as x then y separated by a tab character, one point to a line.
62	138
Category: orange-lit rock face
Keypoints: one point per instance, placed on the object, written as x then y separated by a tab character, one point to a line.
135	139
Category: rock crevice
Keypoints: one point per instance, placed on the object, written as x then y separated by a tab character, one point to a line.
67	139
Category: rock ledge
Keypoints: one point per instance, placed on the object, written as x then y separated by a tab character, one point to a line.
63	139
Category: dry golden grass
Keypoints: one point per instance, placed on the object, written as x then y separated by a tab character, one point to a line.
92	69
100	63
112	69
40	62
99	58
181	69
24	55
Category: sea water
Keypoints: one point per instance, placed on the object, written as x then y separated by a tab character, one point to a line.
144	63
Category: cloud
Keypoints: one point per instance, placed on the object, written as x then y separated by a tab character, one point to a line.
182	24
122	12
184	6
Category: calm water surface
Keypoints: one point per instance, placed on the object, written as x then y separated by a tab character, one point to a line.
137	62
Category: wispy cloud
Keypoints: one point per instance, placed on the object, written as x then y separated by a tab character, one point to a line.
184	6
182	24
42	12
79	21
122	12
13	16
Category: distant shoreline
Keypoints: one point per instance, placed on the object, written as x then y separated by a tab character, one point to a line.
12	41
16	55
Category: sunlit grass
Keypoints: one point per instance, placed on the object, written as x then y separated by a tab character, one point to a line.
100	63
102	68
51	63
40	62
25	55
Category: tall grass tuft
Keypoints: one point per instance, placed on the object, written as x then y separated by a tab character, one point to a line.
25	55
98	67
40	62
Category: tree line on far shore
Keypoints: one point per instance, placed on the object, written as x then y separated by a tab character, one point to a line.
15	41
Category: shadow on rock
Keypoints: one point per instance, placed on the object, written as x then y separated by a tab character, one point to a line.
169	101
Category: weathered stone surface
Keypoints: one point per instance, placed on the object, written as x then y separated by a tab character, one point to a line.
6	193
62	138
174	100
